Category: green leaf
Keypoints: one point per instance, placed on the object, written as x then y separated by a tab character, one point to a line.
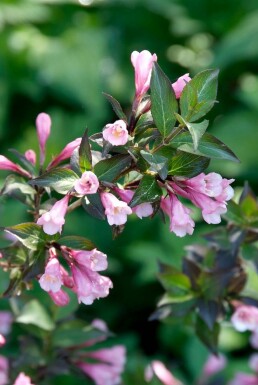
147	191
85	158
17	189
208	146
174	298
116	106
189	165
234	213
199	95
29	234
144	122
60	179
25	162
171	277
196	130
207	336
92	205
110	169
158	163
163	101
77	243
33	313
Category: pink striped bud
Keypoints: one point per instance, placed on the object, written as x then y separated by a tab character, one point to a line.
30	155
179	85
6	164
66	153
143	63
53	220
43	124
60	298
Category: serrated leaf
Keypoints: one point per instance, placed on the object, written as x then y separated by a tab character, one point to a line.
33	313
77	243
85	158
208	146
196	130
147	191
60	179
163	101
110	169
199	95
116	107
92	205
189	165
158	163
29	234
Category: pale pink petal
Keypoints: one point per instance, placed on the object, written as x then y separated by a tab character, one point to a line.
60	298
87	184
179	85
143	63
116	133
54	219
22	379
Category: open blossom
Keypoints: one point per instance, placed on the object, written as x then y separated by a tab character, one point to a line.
87	184
143	63
244	379
60	298
54	219
180	221
179	85
142	210
245	318
109	368
4	368
22	379
116	133
115	210
214	364
66	153
52	280
158	369
43	124
30	155
6	164
94	259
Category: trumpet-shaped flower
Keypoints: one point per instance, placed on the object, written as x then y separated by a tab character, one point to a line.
94	259
179	85
245	318
87	184
51	280
142	210
115	210
53	220
143	63
116	133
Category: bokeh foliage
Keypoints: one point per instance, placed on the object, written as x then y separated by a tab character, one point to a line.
58	57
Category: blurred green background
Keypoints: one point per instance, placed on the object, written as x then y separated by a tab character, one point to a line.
58	56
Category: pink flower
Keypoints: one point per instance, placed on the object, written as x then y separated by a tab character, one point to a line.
53	220
179	85
2	340
116	133
253	362
244	379
111	365
180	221
60	298
94	259
52	280
4	367
158	369
87	184
115	210
30	155
245	318
143	63
214	364
65	153
6	319
142	210
22	379
89	285
211	209
43	124
6	164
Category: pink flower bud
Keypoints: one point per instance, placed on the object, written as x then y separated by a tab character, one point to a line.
143	63
22	379
245	318
6	319
179	85
66	153
142	210
87	184
115	210
94	259
158	369
2	340
51	280
43	124
30	155
4	368
214	364
6	164
53	220
60	298
180	221
116	133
